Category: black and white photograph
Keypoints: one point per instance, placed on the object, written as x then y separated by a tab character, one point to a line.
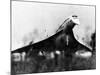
52	37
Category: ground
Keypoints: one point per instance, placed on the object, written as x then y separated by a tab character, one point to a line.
62	63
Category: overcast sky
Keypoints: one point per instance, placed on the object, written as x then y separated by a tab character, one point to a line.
30	20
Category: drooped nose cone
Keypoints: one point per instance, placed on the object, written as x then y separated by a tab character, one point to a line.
75	19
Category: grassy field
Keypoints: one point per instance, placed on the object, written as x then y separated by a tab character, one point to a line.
61	63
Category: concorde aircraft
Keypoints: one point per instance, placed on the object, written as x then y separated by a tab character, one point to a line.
63	40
